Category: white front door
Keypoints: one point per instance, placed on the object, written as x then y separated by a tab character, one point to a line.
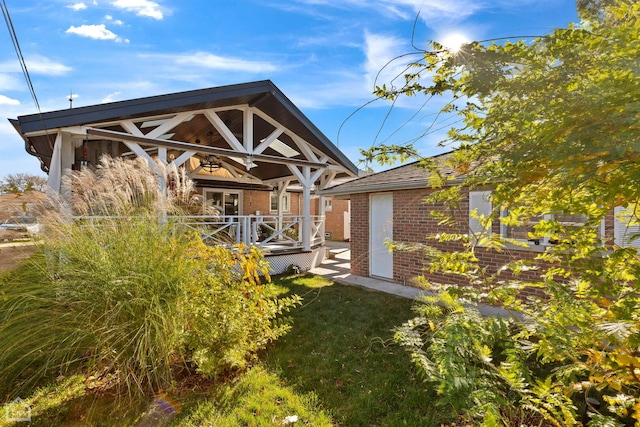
381	229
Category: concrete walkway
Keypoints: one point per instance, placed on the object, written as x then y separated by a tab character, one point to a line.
338	268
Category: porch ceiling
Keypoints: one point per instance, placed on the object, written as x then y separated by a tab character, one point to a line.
39	130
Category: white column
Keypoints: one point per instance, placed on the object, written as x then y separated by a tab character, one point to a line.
322	212
282	189
67	159
55	167
247	129
306	208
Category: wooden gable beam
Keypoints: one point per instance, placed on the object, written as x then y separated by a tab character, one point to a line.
223	130
128	138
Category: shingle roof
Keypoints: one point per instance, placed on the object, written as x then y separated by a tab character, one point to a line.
404	177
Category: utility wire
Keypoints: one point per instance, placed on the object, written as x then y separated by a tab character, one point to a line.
23	64
16	46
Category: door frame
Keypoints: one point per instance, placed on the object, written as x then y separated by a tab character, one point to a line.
225	192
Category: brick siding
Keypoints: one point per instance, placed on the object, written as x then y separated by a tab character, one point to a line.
413	223
360	234
334	222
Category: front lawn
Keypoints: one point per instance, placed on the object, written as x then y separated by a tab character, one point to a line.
337	366
340	349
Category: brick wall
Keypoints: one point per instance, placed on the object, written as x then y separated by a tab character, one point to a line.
334	222
413	223
360	234
261	201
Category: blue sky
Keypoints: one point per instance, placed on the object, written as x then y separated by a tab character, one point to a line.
323	54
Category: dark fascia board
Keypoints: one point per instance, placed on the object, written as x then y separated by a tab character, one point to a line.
140	106
27	145
374	188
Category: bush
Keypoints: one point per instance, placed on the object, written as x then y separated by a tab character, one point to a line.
455	350
132	299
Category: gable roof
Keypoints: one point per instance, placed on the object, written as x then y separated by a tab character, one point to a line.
405	177
38	130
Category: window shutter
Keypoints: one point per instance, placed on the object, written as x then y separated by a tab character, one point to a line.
622	231
480	203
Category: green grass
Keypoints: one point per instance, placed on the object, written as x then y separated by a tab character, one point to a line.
337	366
340	349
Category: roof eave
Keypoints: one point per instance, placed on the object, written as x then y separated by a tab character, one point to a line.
180	100
380	188
27	145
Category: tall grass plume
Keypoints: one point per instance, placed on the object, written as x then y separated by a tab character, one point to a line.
121	293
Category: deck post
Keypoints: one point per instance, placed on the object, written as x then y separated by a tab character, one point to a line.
306	209
55	168
282	189
307	180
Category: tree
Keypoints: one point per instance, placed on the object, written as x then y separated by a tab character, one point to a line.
552	125
21	182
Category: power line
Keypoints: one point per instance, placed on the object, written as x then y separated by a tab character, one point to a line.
23	66
16	46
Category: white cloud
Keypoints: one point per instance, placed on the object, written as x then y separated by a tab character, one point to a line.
112	97
5	100
113	21
211	61
36	64
98	32
77	6
146	8
438	9
8	81
42	65
379	66
431	11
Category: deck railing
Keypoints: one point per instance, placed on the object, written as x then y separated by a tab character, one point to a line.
270	232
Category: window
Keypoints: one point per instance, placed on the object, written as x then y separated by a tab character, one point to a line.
285	202
525	231
626	228
224	202
480	207
328	205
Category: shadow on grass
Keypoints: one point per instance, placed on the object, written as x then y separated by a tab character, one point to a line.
341	349
67	402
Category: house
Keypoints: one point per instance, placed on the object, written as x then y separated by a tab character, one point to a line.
390	205
20	214
251	152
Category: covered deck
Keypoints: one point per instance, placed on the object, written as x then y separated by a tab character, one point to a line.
245	137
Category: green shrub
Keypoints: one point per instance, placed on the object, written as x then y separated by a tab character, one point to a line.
455	350
132	298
